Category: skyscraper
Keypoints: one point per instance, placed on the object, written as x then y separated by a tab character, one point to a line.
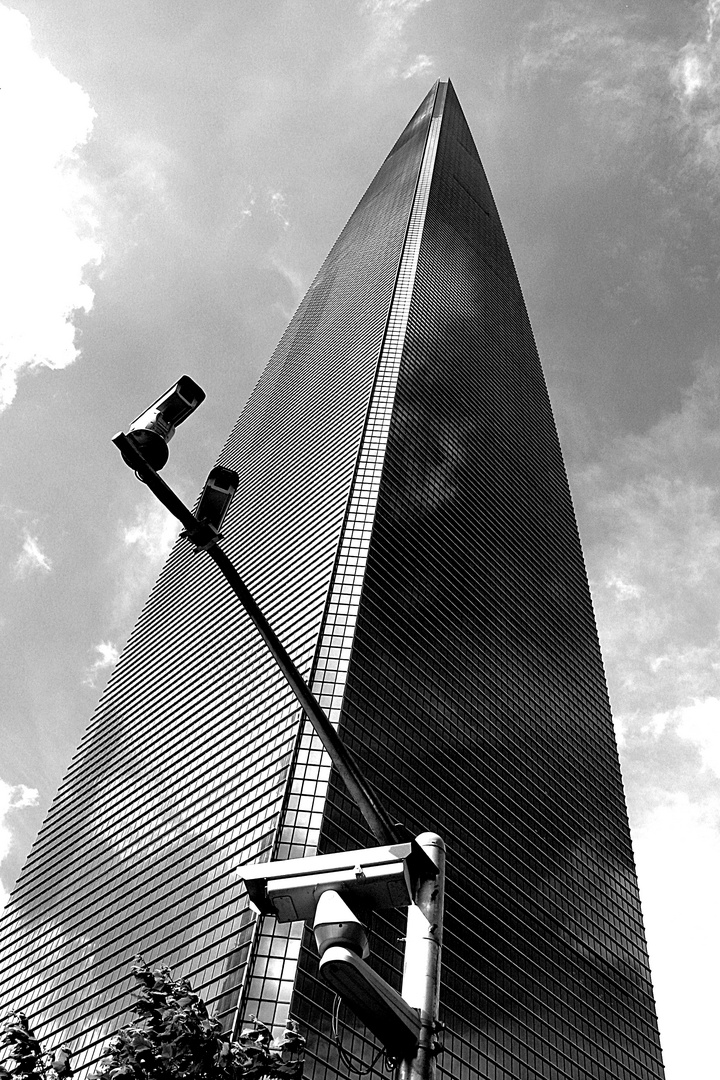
404	520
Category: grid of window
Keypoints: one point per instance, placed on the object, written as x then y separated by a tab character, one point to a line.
474	693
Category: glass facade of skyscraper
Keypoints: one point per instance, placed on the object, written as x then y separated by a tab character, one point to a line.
405	522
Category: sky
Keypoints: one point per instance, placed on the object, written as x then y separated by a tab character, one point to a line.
174	175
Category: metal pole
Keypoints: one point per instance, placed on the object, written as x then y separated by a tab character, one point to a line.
380	825
423	946
204	537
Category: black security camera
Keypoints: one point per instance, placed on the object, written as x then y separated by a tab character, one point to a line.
151	432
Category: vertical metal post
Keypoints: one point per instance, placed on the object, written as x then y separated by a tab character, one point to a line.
423	944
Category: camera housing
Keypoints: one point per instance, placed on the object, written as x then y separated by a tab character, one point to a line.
220	487
374	877
374	1002
152	430
342	942
335	924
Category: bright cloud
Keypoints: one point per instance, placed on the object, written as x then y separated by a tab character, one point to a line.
655	501
146	544
696	68
699	723
32	558
388	47
107	657
46	209
690	73
278	207
654	552
152	533
421	64
696	78
678	858
12	797
624	590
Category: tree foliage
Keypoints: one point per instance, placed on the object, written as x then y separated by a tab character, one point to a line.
23	1055
171	1037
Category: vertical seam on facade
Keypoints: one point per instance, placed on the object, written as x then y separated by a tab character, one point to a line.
309	777
338	630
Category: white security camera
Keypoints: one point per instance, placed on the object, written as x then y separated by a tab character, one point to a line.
342	943
335	924
326	888
152	430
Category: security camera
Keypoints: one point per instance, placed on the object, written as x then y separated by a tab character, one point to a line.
216	497
152	430
375	877
342	943
327	889
336	925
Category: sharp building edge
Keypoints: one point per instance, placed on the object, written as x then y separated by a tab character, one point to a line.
405	522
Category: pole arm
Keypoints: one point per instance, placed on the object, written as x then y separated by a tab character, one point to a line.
205	537
378	821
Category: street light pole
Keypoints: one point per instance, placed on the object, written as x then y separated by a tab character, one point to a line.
421	975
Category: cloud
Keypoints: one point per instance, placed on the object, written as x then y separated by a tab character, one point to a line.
140	197
391	15
421	64
152	533
691	72
632	89
32	558
713	11
107	657
297	285
696	79
47	209
620	72
278	207
654	504
699	723
148	162
696	68
12	797
145	544
387	47
677	851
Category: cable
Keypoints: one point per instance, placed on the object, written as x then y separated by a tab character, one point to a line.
345	1056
